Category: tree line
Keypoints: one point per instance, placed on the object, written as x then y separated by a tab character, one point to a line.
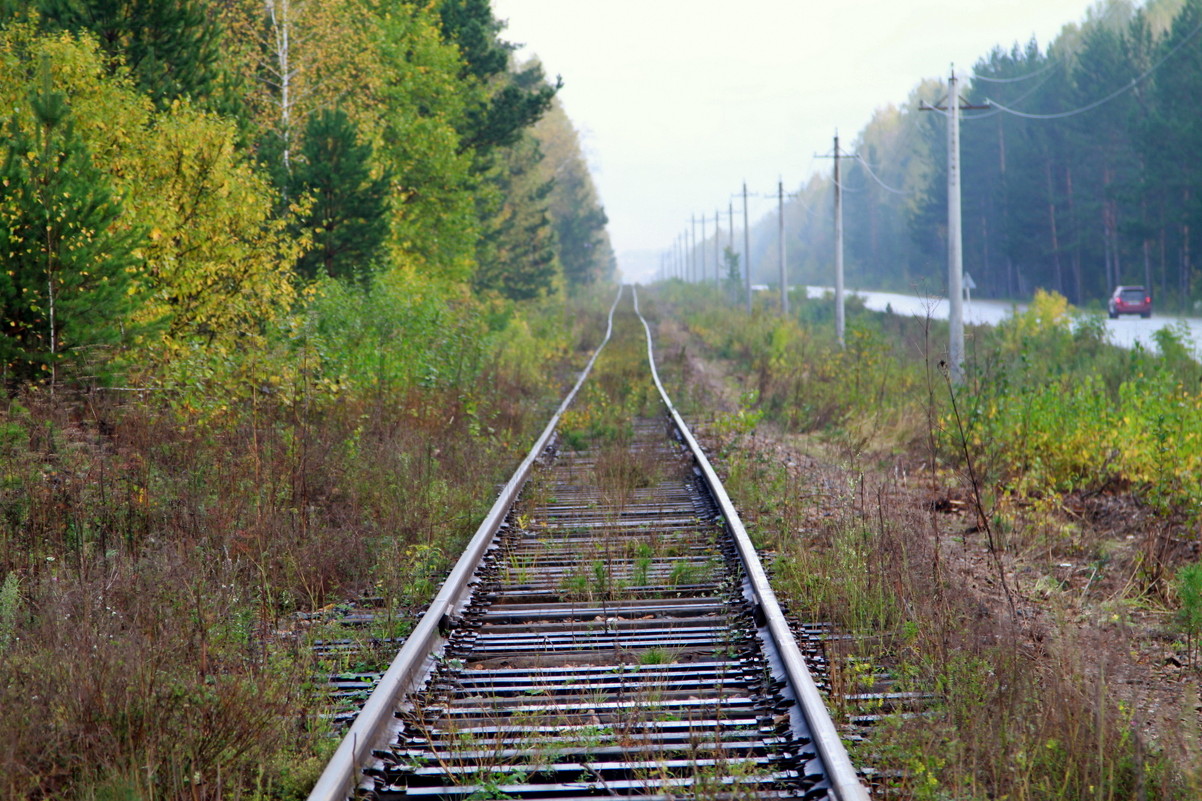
1083	173
185	176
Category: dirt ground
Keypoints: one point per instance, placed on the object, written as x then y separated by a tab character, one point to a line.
1086	574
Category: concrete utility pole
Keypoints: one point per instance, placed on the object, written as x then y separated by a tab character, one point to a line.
693	249
955	252
730	225
717	247
839	318
701	264
746	250
955	256
839	300
784	280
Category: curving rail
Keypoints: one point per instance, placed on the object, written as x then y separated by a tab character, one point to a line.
615	635
840	771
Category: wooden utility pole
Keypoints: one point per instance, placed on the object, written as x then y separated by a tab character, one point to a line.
746	250
784	281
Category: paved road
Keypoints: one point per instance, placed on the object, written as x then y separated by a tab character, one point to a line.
1125	331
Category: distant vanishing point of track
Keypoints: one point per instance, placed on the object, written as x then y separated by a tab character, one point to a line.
609	631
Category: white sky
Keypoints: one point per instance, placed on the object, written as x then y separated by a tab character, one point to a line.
679	101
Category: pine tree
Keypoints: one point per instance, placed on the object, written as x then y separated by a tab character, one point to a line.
1172	148
504	104
517	255
67	260
349	213
170	46
576	212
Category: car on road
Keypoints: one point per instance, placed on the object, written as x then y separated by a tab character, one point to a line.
1130	300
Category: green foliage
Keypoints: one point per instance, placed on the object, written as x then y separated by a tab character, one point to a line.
501	109
10	598
517	255
434	218
219	263
396	333
583	243
69	252
798	374
1056	408
424	169
171	47
1189	590
348	208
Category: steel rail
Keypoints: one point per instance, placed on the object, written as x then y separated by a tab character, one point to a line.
841	774
415	659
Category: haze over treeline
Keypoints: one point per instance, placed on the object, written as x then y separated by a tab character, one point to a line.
1075	203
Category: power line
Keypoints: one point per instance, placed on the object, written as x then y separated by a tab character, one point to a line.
997	111
1017	79
1126	88
876	178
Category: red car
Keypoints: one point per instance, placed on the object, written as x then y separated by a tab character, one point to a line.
1130	300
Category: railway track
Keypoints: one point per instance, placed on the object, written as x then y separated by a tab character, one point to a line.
609	631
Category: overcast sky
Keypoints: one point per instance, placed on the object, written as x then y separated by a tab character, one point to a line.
679	101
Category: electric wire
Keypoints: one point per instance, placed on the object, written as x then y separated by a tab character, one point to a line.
876	178
995	111
1125	88
1016	79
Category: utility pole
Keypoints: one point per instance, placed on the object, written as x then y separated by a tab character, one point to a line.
839	319
717	248
839	300
730	225
784	281
701	264
746	250
955	254
693	249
